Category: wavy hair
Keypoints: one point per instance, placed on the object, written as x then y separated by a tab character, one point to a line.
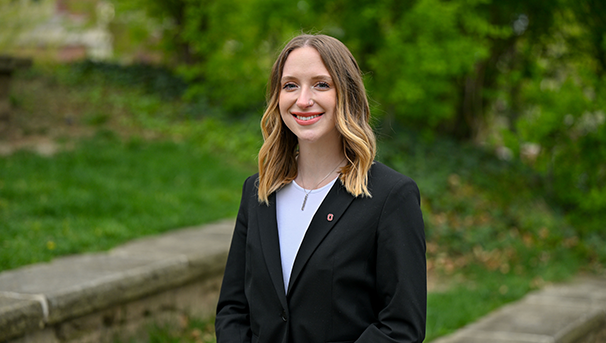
278	154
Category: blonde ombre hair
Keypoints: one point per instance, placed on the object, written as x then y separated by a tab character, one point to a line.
278	155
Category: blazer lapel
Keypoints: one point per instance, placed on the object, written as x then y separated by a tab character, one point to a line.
328	214
270	244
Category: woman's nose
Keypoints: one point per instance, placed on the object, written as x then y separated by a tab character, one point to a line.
305	100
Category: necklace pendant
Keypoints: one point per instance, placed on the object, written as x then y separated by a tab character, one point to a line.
304	201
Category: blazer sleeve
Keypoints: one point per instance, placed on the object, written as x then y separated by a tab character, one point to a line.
232	324
401	269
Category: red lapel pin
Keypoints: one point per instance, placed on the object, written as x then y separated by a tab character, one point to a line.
330	217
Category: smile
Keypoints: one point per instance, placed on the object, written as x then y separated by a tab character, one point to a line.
307	118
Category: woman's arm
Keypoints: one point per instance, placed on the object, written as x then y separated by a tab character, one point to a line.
232	323
401	269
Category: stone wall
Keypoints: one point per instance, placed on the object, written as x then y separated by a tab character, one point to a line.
101	297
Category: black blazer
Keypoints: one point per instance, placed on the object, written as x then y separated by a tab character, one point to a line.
359	274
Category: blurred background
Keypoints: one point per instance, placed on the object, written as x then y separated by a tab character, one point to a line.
124	118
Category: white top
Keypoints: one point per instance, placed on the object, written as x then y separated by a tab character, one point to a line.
293	223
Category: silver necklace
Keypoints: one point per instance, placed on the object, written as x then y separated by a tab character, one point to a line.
307	193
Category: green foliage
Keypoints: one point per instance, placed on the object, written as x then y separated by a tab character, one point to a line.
224	74
558	126
474	219
411	74
149	78
431	64
569	129
488	228
150	96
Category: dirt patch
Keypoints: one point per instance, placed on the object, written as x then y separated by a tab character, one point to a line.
42	145
42	114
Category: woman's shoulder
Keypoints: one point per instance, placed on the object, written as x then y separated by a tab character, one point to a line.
253	178
251	182
380	171
382	176
250	187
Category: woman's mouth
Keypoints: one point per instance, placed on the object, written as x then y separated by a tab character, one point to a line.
306	118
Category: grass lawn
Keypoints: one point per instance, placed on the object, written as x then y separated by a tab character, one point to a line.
105	192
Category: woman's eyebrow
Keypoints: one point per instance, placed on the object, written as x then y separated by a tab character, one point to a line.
288	78
321	77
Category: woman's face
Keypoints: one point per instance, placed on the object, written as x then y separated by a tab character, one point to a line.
308	97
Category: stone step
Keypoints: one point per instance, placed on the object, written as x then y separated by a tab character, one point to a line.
565	313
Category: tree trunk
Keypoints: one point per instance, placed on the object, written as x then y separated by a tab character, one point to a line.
7	66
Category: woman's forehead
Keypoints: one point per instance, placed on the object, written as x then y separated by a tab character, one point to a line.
305	61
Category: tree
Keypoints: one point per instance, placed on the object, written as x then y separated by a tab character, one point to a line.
561	112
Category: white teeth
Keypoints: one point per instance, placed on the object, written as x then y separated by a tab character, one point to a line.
307	118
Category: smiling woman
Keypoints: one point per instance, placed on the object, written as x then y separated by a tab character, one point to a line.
329	246
336	72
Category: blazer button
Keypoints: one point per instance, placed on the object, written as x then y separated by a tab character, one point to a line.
283	315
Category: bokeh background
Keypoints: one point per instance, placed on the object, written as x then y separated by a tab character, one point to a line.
125	118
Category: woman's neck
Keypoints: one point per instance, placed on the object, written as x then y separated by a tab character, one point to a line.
318	164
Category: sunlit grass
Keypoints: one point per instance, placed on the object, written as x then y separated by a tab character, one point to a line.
106	192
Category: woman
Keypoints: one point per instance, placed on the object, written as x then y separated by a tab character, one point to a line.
329	246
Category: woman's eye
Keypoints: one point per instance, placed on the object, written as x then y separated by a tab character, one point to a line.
323	85
289	86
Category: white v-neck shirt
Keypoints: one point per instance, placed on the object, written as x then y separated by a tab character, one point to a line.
293	222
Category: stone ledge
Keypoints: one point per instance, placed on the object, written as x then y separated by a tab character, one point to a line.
45	294
569	313
19	315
